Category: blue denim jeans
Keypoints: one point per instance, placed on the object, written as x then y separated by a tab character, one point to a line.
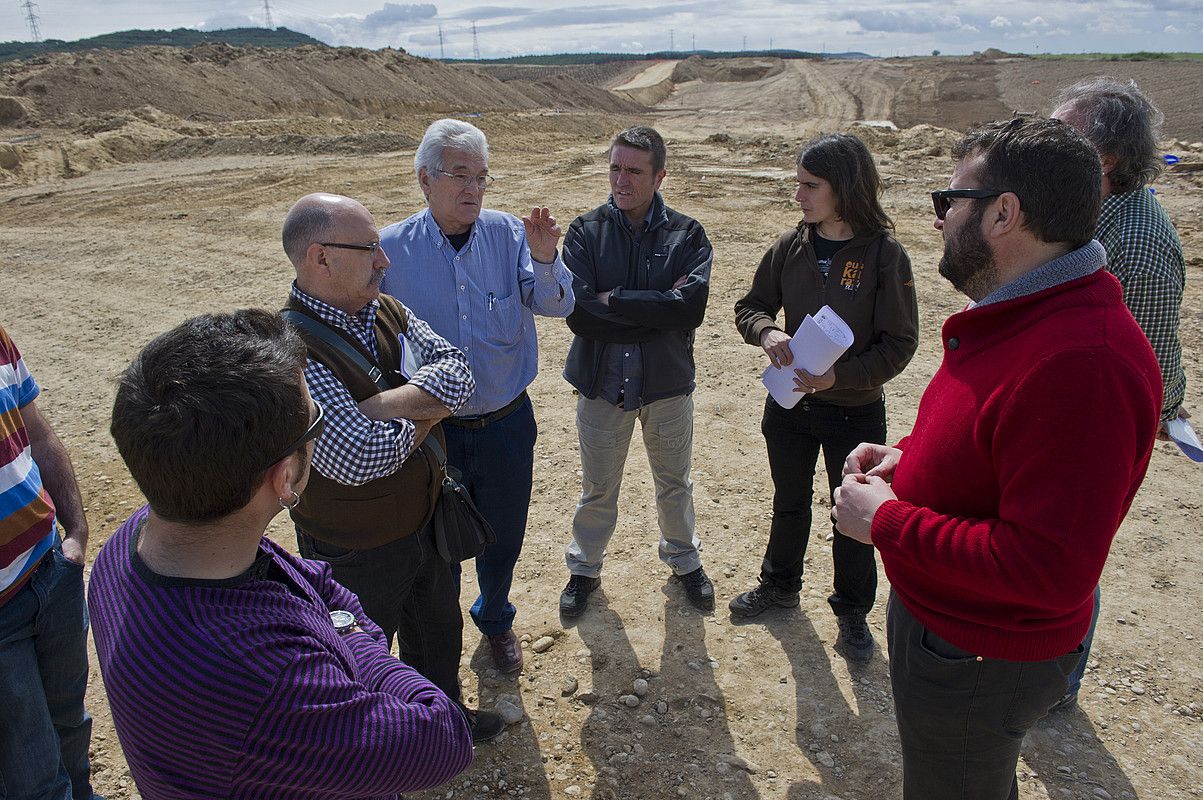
1075	679
496	465
44	729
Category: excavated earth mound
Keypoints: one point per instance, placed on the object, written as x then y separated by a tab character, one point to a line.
218	82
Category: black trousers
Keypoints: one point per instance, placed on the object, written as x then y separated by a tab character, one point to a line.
961	717
407	589
794	438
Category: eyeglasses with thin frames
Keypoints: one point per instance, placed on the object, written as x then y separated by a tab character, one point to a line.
367	248
311	433
481	182
942	198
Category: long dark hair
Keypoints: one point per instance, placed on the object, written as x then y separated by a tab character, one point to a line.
843	161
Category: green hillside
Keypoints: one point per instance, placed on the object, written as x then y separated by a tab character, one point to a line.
180	37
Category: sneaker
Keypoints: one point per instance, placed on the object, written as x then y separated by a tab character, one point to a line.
1068	701
575	597
762	598
507	652
854	642
485	726
698	589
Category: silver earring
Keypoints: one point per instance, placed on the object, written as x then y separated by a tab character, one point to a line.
296	501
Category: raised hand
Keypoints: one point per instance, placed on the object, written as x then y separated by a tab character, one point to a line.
542	234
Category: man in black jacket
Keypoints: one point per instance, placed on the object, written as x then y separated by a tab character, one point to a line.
641	276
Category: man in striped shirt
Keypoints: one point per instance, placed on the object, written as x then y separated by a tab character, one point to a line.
234	669
44	729
1143	249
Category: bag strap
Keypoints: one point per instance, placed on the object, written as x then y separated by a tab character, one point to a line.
327	334
373	371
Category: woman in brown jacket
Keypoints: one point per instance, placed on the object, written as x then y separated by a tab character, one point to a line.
841	255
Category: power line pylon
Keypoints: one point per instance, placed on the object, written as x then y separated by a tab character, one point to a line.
475	43
442	52
31	19
267	14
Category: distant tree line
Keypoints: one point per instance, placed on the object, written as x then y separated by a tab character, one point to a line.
180	37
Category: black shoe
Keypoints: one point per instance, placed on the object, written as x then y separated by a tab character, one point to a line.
485	726
762	598
575	597
698	589
854	642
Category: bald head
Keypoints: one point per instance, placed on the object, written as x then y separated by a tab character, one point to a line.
333	243
314	218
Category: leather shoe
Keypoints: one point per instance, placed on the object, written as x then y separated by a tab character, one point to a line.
760	599
698	589
575	597
854	642
507	652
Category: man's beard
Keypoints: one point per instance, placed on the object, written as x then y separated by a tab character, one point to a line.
968	262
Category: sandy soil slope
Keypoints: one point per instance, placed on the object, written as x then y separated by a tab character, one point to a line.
96	261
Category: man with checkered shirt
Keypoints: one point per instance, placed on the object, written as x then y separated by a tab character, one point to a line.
376	477
1143	249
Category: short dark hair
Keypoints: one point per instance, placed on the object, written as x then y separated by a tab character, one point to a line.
204	408
1118	119
304	225
641	137
1049	166
843	161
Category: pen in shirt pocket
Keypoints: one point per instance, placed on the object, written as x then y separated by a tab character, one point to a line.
492	300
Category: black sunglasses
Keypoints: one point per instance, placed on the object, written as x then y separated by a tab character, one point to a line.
315	430
942	199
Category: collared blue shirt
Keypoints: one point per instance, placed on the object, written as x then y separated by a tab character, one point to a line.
482	299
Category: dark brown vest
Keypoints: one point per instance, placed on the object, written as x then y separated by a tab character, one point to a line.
384	509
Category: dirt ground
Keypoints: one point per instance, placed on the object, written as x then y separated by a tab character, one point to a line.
98	259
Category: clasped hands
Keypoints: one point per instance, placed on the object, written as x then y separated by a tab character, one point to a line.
868	472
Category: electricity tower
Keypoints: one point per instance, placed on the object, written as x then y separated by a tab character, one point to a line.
267	14
31	19
475	43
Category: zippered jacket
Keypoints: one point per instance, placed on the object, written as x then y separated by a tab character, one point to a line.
644	309
869	285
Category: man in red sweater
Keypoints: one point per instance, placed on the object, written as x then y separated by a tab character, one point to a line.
994	517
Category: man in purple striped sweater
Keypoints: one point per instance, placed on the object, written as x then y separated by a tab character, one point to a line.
234	669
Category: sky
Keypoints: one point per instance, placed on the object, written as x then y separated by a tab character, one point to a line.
877	27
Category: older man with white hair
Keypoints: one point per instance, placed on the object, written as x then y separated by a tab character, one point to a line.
478	277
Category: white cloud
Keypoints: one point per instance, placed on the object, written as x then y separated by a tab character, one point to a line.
1170	29
1000	22
1036	22
1110	25
889	21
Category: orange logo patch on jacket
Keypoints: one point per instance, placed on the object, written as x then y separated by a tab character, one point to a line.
851	277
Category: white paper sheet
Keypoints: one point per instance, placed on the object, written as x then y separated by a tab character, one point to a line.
1184	436
818	343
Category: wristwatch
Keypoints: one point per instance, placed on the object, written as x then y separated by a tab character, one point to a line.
344	621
